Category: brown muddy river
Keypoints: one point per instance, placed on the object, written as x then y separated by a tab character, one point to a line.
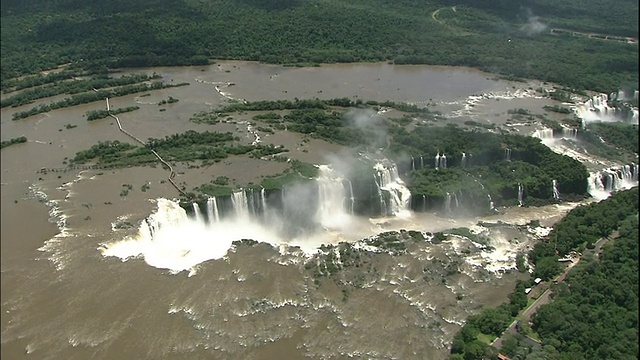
192	295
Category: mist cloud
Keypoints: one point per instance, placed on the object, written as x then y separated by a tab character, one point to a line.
533	26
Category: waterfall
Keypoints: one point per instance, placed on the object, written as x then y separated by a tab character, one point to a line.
520	193
383	204
390	181
447	204
240	204
212	210
443	161
196	212
491	206
463	161
421	162
455	200
351	197
556	194
424	203
437	161
507	154
263	201
597	108
543	134
569	133
331	199
413	164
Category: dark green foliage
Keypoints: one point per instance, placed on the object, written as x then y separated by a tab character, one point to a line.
619	135
101	114
597	318
87	97
558	109
532	164
40	34
18	140
187	146
72	87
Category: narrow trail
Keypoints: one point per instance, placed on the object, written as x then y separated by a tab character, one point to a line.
172	173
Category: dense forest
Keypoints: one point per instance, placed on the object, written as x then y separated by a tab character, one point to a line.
594	313
513	39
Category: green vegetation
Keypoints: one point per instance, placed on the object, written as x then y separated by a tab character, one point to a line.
88	97
188	146
558	109
584	224
101	114
486	171
617	136
41	35
595	314
170	100
72	87
18	140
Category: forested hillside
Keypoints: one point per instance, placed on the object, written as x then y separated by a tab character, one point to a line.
511	38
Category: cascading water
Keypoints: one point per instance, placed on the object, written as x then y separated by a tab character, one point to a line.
597	108
352	199
212	210
421	162
437	164
443	161
543	134
424	203
390	181
455	200
263	201
556	193
240	204
196	212
447	204
520	193
491	206
331	199
463	161
569	133
507	154
413	164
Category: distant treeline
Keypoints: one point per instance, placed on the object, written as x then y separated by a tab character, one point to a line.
39	35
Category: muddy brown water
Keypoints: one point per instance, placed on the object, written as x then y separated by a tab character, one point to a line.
61	299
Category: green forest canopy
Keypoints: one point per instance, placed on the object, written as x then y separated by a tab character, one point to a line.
40	34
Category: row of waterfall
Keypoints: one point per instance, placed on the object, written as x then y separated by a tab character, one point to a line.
331	199
614	179
549	134
440	161
597	108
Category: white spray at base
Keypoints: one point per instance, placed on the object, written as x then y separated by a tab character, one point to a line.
170	239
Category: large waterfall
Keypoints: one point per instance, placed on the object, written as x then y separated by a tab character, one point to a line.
388	180
333	202
603	183
597	108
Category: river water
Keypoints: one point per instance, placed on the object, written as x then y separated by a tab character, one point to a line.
62	299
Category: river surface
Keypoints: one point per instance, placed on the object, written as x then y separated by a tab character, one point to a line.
62	299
